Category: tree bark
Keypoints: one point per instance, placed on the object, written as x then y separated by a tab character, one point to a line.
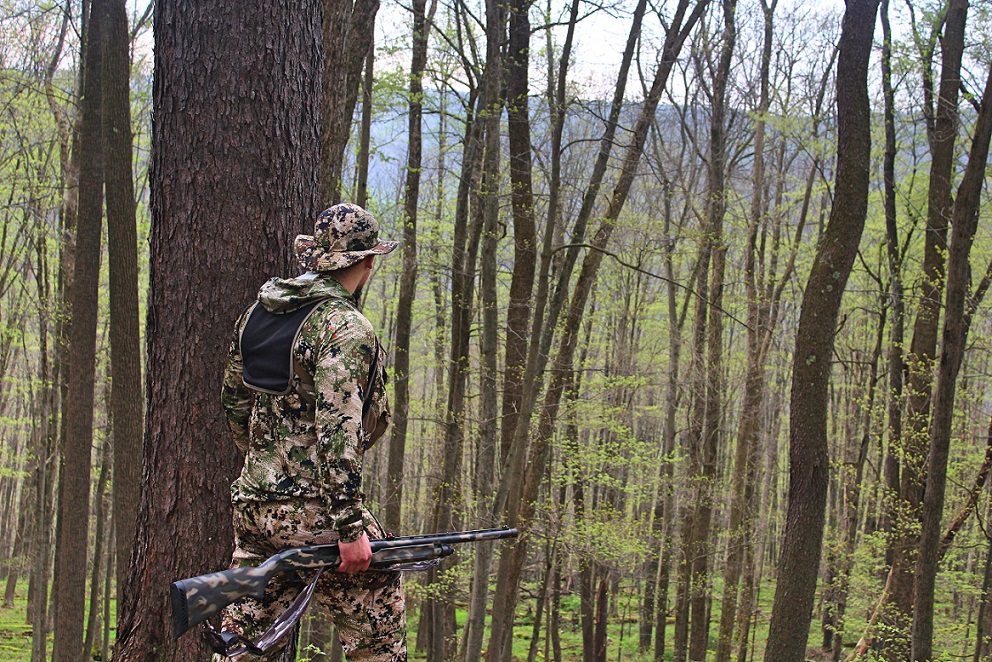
232	183
347	36
923	346
100	515
365	141
487	201
72	546
122	244
964	225
408	277
799	562
896	365
983	625
517	61
716	207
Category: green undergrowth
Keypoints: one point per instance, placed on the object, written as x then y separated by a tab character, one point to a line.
623	637
16	632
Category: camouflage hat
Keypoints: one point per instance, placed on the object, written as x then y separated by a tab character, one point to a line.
343	235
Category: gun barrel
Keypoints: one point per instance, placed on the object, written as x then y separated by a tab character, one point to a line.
451	538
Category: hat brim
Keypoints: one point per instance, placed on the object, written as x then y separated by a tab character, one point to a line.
314	258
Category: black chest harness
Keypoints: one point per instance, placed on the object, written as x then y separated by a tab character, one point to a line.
267	343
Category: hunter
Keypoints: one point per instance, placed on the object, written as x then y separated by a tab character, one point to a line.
305	396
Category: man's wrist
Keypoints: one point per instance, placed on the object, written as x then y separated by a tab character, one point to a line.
351	528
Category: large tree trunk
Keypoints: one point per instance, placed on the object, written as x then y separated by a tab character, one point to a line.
964	224
232	183
347	35
122	242
800	559
71	549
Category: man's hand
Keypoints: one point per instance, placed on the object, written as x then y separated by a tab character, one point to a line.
355	556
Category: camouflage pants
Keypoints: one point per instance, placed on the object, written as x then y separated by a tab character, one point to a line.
367	608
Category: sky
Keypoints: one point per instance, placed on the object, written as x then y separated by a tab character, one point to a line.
599	37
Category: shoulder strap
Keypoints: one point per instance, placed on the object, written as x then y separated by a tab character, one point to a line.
370	383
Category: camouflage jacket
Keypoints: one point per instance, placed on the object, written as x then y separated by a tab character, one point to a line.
309	443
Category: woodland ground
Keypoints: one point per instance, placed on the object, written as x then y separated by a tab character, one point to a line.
15	633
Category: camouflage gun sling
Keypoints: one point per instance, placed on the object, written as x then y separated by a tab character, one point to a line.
196	599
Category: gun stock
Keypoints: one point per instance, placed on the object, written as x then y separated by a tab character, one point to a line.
196	599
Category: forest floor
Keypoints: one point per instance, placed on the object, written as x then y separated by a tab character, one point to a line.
623	644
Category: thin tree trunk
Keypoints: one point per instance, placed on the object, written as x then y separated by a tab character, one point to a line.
716	208
408	277
923	346
72	545
347	37
983	626
365	140
602	616
954	335
896	365
45	449
100	514
545	321
122	244
517	61
542	597
520	501
749	420
16	563
448	498
851	478
484	480
108	577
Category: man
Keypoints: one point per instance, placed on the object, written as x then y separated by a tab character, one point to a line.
304	393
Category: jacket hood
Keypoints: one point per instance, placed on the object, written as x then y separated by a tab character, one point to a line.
282	295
